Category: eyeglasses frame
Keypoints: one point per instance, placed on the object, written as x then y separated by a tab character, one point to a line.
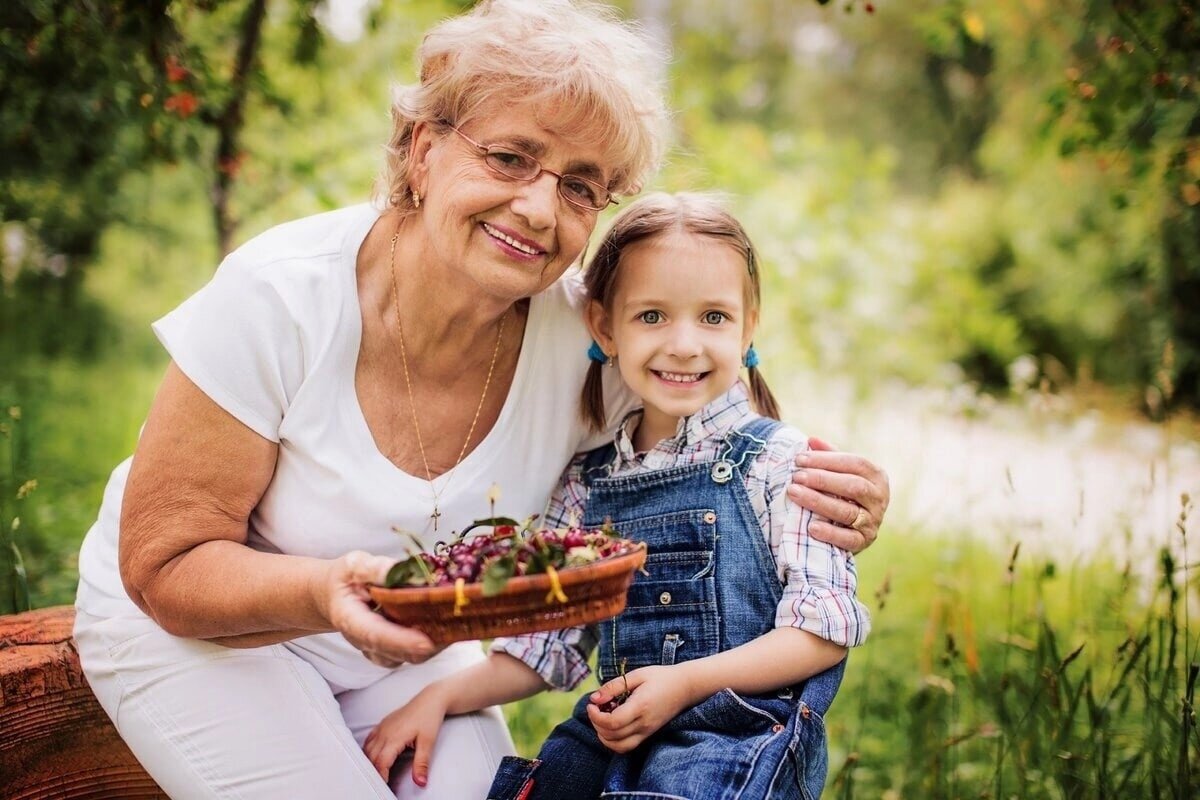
487	150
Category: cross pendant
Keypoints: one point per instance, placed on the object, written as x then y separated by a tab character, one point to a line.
434	516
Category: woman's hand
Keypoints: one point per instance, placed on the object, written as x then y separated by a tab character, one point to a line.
656	696
844	488
415	725
348	608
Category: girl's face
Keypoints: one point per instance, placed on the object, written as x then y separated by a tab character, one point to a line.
510	238
679	325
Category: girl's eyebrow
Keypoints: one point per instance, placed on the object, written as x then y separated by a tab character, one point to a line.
721	303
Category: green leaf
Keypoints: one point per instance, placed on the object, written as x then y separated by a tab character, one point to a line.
496	575
490	522
412	571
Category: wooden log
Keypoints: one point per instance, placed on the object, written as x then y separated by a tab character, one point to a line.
55	739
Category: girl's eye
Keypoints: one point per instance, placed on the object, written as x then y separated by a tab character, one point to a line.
715	317
650	317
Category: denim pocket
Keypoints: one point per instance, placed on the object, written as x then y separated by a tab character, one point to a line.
730	712
689	531
681	612
810	753
728	747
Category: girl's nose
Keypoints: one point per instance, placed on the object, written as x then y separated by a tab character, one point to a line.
684	342
537	201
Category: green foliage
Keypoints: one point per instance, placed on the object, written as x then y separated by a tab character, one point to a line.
14	494
72	123
981	680
951	182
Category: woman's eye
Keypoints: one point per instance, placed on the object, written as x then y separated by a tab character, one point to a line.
517	165
715	317
580	190
650	317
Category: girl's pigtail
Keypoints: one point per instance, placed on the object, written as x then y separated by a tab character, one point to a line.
760	393
592	400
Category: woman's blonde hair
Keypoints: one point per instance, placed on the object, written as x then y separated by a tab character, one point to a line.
654	215
588	74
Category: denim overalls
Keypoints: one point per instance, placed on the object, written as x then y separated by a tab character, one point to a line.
712	586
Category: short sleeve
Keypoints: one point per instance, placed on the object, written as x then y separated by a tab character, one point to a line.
237	341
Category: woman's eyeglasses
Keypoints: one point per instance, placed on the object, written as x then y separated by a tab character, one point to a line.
579	192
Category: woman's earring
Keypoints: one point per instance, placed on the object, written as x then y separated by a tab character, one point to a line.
612	361
416	198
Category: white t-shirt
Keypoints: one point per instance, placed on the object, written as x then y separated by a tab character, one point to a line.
273	339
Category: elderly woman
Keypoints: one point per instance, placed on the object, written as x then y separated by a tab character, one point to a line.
363	370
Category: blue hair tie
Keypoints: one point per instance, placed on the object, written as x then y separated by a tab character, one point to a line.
596	354
751	359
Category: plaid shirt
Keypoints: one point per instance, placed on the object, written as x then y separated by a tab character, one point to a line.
819	580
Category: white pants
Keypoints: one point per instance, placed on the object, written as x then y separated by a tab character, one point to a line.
211	722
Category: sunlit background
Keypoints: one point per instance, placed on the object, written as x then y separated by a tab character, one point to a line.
980	224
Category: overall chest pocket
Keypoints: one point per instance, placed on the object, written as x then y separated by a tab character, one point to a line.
671	611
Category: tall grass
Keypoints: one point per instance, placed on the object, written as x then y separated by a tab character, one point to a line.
1002	675
14	583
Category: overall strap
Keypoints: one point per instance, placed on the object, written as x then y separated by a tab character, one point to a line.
598	463
749	440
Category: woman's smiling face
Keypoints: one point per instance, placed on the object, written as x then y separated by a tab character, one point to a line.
511	238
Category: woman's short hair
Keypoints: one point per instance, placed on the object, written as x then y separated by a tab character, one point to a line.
589	74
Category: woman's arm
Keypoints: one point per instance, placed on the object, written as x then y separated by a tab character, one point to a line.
196	475
837	486
778	658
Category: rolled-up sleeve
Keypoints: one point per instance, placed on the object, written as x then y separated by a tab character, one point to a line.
820	580
560	657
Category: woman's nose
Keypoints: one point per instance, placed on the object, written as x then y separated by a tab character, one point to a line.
537	201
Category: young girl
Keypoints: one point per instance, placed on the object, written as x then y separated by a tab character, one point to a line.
732	646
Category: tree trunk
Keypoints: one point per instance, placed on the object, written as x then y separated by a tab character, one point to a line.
229	125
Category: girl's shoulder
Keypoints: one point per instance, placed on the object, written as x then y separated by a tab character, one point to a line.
782	438
775	463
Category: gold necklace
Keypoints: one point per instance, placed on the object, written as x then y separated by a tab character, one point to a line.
412	405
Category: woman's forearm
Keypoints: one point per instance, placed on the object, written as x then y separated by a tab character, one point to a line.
779	658
231	594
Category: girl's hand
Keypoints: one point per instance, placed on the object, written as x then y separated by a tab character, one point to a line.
415	726
656	696
348	608
846	489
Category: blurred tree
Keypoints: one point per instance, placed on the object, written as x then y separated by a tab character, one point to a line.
93	93
1130	97
90	92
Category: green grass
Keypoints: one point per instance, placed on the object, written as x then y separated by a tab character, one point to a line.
993	676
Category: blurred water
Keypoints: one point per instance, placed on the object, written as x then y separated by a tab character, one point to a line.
1076	484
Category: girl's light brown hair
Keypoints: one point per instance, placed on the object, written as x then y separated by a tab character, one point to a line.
654	215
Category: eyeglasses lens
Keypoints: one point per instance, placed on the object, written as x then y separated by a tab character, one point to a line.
574	190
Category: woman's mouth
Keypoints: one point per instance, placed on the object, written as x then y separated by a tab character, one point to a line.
521	245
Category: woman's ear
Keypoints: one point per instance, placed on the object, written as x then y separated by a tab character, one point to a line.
600	326
419	148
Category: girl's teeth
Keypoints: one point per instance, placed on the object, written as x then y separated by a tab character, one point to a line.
678	377
511	242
